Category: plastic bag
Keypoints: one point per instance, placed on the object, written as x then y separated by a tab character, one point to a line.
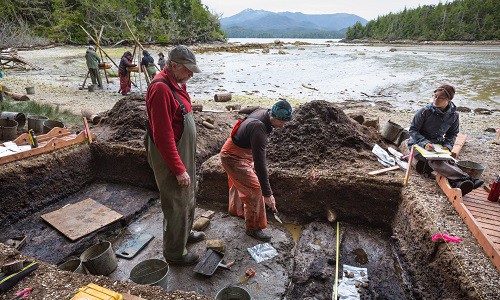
346	289
262	252
383	157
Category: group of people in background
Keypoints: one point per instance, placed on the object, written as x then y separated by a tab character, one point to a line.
93	60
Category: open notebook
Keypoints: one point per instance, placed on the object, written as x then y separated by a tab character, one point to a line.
440	153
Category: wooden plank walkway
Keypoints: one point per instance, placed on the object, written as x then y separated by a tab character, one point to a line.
478	213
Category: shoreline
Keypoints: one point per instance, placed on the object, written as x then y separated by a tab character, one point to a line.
421	42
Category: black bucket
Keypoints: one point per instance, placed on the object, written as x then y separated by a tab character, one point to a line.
20	118
49	124
36	123
473	169
391	131
8	130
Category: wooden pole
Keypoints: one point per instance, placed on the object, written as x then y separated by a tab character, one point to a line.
85	80
100	53
410	160
98	46
140	68
137	41
146	75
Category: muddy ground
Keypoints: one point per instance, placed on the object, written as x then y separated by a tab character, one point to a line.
407	264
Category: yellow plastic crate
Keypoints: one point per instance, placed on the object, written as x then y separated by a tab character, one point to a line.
95	292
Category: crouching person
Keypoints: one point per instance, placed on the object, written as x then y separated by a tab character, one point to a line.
438	123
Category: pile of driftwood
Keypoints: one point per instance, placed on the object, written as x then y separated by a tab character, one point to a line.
9	59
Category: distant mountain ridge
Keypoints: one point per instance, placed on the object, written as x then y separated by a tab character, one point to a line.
261	23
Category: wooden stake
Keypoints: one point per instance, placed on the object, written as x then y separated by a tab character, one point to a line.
137	41
410	160
85	80
376	172
87	130
139	67
98	46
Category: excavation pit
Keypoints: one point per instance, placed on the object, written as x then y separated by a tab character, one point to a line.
382	227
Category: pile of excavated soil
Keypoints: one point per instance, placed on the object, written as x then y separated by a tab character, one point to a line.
125	124
321	134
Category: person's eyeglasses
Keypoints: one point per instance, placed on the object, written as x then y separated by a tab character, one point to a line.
439	98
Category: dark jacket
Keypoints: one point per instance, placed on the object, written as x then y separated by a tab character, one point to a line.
124	63
92	59
431	125
253	133
146	60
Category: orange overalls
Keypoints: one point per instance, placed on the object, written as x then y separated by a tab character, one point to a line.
245	194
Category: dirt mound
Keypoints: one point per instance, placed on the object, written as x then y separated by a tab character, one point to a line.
127	118
125	124
320	134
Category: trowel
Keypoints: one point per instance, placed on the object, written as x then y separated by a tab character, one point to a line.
277	218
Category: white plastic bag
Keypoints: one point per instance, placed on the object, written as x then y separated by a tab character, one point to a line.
262	252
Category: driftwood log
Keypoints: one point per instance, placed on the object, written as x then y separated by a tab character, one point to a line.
94	118
17	97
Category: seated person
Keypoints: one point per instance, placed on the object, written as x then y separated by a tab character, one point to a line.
437	123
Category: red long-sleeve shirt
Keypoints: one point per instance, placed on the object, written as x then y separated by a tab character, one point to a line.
166	120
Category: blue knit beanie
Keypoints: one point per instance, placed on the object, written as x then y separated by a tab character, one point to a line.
282	110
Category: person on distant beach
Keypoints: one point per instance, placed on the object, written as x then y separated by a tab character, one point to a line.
149	62
125	62
93	60
244	151
161	61
438	123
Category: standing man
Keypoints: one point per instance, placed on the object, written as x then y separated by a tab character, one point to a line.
170	144
149	62
245	150
161	61
125	62
93	61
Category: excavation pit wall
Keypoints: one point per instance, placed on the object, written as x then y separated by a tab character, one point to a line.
375	217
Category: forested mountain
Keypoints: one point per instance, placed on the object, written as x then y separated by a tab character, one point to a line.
152	20
464	20
261	23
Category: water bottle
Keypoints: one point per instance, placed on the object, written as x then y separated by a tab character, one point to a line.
33	140
495	190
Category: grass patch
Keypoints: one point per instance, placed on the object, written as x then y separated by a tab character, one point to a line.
42	109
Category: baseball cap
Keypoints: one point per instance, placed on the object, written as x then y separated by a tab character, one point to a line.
184	56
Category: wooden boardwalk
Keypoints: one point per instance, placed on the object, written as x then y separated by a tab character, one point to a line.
480	215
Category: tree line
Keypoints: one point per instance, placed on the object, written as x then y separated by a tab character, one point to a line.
461	20
158	21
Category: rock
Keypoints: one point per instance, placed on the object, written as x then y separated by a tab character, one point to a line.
365	285
482	111
282	52
362	273
208	125
393	50
301	48
367	280
492	130
372	123
359	118
233	107
357	284
331	216
265	50
351	275
208	214
277	42
215	244
210	120
463	109
360	290
331	261
201	223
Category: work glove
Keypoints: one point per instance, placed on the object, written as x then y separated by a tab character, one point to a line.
271	203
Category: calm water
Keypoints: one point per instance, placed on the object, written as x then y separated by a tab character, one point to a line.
404	75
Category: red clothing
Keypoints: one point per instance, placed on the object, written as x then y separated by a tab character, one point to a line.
125	83
166	120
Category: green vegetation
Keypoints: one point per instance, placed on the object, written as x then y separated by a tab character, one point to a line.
159	21
463	20
34	108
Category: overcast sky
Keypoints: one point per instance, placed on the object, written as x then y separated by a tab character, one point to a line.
368	9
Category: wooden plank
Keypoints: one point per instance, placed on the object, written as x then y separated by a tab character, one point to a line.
51	145
24	139
479	233
82	218
489	206
380	171
479	210
492	229
453	194
459	143
485	216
